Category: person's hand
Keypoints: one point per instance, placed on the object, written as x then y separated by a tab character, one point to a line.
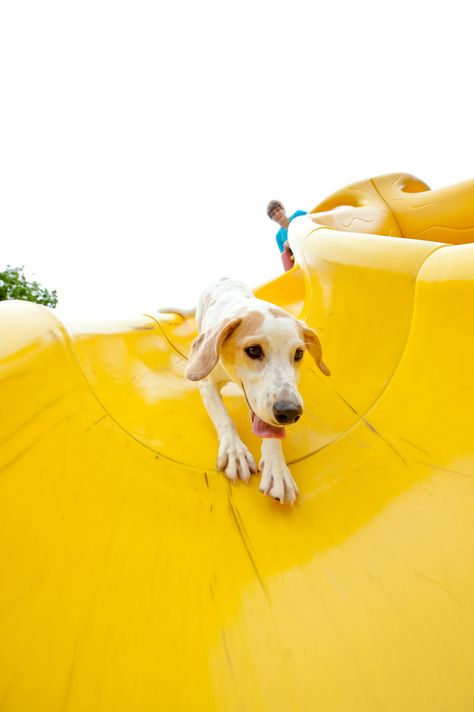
288	251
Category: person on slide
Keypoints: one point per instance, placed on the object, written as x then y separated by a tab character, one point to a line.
276	212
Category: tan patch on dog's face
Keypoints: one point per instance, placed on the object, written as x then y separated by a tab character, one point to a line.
250	324
248	329
279	313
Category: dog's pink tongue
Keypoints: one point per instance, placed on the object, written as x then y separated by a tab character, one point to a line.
264	430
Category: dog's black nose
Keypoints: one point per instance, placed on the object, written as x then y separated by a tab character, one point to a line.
286	412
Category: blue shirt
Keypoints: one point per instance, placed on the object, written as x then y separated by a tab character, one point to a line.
282	234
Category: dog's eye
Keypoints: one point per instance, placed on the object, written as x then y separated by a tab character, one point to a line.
299	354
254	351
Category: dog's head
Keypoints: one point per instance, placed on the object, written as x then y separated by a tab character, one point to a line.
262	351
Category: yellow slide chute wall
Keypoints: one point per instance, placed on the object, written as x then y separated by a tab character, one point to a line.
135	577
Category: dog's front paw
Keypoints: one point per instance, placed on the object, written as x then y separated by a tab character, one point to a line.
277	480
235	459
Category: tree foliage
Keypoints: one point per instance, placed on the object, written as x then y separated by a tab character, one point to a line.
14	285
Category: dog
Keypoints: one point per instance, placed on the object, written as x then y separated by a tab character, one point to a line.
260	347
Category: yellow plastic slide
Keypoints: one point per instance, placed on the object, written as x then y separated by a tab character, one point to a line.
134	577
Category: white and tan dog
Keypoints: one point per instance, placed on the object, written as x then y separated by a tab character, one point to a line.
258	346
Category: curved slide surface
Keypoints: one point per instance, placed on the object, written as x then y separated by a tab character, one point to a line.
135	577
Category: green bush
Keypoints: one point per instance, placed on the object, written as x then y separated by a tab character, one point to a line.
13	285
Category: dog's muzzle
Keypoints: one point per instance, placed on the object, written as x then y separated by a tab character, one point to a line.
286	412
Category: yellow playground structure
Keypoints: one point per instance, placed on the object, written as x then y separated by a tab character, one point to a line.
134	577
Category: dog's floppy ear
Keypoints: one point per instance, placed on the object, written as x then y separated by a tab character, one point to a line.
313	345
205	349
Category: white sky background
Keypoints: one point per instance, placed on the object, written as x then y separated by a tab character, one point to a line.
141	141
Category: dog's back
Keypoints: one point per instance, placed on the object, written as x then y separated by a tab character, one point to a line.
226	296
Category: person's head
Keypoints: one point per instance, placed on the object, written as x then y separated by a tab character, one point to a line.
276	212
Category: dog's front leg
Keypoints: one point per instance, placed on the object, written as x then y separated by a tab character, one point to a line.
276	477
233	458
